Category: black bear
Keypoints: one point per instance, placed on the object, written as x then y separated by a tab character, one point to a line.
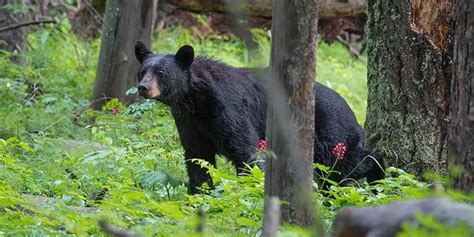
219	109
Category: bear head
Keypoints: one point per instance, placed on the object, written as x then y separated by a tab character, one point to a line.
163	77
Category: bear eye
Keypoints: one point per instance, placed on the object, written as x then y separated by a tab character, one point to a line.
161	74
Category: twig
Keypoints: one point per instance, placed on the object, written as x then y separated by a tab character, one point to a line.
352	49
94	11
23	24
114	231
366	157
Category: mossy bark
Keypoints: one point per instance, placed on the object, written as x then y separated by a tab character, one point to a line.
408	82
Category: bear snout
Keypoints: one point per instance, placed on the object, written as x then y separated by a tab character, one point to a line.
142	90
149	88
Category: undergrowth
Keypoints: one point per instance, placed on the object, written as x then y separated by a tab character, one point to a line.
60	172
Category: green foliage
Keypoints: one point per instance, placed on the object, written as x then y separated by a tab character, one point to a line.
55	81
125	163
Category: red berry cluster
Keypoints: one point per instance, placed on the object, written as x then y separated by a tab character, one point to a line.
262	146
116	110
339	150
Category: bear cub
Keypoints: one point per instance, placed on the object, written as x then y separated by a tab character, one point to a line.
219	109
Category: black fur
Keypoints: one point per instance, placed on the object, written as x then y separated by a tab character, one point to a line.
335	123
219	109
141	51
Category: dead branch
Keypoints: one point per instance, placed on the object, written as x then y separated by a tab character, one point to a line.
115	231
28	23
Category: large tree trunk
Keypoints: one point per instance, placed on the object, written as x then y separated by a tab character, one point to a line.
408	82
125	22
291	108
328	8
461	126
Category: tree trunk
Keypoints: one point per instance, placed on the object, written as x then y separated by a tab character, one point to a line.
125	22
328	8
461	126
12	40
408	82
291	108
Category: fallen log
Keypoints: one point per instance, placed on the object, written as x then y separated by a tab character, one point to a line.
42	201
386	221
263	8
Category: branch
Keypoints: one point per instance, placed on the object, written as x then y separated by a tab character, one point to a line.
94	11
352	48
23	24
114	231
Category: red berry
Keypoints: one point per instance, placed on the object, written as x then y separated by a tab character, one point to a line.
262	146
339	150
116	110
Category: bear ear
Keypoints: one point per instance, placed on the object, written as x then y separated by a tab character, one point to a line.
141	51
185	56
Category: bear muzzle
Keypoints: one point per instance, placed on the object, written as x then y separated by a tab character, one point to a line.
149	88
142	90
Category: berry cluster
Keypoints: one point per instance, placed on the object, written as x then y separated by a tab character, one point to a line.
262	146
116	110
339	150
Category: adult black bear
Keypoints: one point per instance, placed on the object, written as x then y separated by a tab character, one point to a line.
219	109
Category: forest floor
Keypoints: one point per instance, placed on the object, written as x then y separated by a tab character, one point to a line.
62	171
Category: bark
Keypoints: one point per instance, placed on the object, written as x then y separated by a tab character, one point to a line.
291	108
12	40
125	22
461	126
272	217
408	82
328	8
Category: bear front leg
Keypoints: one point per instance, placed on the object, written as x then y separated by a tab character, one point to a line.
198	175
196	146
240	168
